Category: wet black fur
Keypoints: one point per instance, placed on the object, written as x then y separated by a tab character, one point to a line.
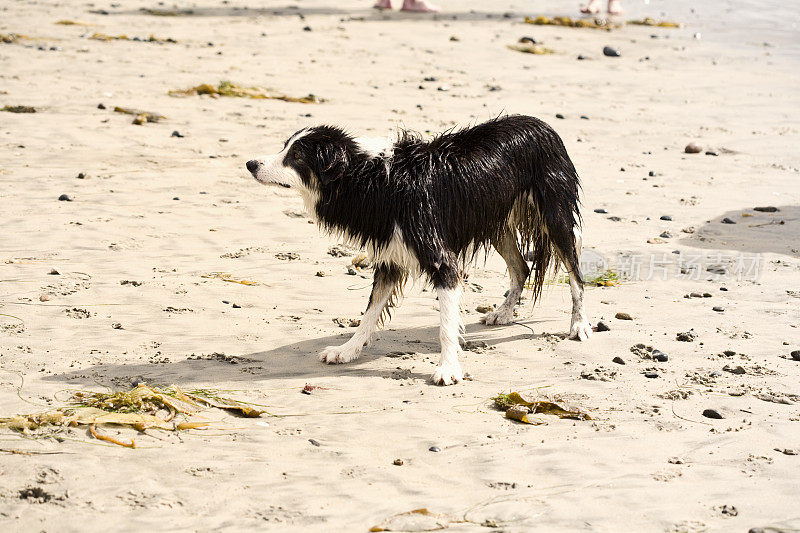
452	195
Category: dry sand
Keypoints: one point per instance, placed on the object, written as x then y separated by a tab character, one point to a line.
165	211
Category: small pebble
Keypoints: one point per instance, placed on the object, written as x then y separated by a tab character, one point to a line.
584	117
236	306
117	325
100	106
796	355
619	360
660	356
718	309
81	176
580	57
767	209
787	451
44	297
651	375
623	316
675	461
666	235
54	272
320	274
666	217
610	52
602	326
434	449
176	133
727	220
693	148
397	462
226	302
651	174
64	198
175	198
712	413
601	211
307	28
686	336
712	152
314	442
559	115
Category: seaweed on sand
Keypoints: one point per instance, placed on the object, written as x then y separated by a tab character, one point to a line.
227	88
518	408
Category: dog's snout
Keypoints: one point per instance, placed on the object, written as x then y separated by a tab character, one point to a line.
252	165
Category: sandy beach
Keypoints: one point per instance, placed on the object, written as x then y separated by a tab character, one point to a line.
130	280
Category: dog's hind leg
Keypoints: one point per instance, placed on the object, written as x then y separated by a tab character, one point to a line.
568	245
518	271
386	280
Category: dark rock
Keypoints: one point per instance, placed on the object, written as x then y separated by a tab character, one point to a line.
623	316
175	198
651	375
712	413
580	57
64	198
724	289
712	152
178	134
666	217
707	295
738	370
397	462
559	115
100	106
687	336
314	442
602	326
693	148
767	209
727	220
619	360
54	272
718	309
610	52
434	449
81	176
307	28
652	174
530	40
584	117
666	235
796	355
236	306
601	211
660	356
615	219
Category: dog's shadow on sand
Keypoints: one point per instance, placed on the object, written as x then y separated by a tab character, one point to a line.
298	359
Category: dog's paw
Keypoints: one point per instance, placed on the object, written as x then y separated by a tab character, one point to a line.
498	317
339	354
580	330
447	374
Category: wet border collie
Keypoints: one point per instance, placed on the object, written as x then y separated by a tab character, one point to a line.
427	207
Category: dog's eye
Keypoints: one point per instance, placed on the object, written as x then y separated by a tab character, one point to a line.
296	156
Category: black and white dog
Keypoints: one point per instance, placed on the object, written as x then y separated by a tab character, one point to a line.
428	207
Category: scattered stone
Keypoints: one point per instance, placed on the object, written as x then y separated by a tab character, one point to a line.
767	209
287	256
44	297
786	451
82	176
619	360
117	325
610	52
734	369
434	449
687	336
651	375
623	316
307	28
64	198
397	462
666	235
320	274
351	271
729	510
347	322
129	282
601	211
236	306
18	109
727	220
77	313
666	217
660	356
580	57
178	134
100	106
602	326
712	152
584	117
796	355
712	413
718	309
675	461
615	219
559	115
693	148
529	40
314	442
54	272
484	308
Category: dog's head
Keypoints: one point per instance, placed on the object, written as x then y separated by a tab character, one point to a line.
311	159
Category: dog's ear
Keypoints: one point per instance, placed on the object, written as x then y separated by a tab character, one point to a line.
332	162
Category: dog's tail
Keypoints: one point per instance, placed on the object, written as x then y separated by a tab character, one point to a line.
547	214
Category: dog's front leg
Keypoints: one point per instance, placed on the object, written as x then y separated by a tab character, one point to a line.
449	370
384	283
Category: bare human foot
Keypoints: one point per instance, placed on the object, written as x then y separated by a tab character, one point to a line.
419	6
383	4
593	7
615	7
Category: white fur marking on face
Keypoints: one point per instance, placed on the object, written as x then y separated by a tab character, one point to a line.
273	172
449	370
